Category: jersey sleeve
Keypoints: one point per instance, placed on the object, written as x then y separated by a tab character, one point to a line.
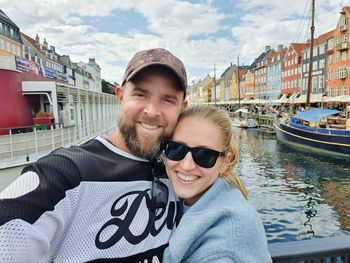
28	219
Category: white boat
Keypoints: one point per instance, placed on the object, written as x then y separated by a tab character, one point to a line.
240	119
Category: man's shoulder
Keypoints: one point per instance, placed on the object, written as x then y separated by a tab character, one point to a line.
98	160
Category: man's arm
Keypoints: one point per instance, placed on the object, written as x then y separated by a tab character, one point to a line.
28	220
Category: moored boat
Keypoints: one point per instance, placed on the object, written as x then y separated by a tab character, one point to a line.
241	119
315	128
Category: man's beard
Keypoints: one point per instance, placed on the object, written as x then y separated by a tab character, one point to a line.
138	148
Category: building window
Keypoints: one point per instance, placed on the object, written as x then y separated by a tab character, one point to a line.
8	47
342	73
337	57
296	83
330	74
337	41
343	56
343	90
315	51
336	91
12	32
320	81
343	38
330	59
296	61
13	49
330	44
322	49
2	44
322	63
314	65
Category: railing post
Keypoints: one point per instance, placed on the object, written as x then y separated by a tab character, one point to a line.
11	146
36	143
52	138
62	135
69	130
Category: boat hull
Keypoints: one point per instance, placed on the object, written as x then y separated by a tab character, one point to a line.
334	143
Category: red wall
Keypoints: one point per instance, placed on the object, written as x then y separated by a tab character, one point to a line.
14	108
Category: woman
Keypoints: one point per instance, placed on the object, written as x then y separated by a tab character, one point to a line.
218	224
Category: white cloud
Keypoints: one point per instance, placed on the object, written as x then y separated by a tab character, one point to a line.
186	29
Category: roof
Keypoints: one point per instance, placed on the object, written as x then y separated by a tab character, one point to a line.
35	44
298	47
275	54
315	115
260	58
323	38
5	18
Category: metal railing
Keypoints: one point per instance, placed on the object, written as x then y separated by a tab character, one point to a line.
22	148
321	250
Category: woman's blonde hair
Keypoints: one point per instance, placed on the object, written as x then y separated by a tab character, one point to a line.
222	121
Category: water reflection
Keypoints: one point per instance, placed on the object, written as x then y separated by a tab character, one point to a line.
300	194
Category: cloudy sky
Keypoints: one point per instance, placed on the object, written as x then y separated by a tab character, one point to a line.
201	33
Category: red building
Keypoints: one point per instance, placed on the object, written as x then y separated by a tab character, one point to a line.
291	73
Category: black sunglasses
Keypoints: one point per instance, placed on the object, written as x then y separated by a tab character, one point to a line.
159	191
203	157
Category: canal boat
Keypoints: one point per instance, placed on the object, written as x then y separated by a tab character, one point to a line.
317	128
241	119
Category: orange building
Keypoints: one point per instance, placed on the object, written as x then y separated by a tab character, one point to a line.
10	38
338	70
249	84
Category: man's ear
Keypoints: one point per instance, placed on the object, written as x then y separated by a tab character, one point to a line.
184	105
119	92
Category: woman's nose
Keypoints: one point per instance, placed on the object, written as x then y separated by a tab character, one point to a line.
187	162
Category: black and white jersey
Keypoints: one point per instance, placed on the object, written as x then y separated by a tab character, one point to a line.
86	203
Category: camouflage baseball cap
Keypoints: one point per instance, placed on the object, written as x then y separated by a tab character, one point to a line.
157	56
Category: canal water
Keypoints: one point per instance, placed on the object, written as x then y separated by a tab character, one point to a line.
299	194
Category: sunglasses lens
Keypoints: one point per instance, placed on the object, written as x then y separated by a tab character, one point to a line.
204	157
175	151
159	194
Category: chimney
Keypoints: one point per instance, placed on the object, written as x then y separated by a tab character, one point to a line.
37	38
280	47
45	44
92	60
267	48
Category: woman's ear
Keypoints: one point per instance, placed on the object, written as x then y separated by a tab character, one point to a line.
226	162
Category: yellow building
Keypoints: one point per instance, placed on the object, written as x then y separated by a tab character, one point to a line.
206	87
10	38
234	85
222	90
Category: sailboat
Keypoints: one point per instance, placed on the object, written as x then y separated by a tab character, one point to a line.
240	117
328	130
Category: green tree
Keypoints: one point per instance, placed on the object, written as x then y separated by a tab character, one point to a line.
105	87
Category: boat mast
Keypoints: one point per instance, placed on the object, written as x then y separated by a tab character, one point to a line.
311	55
239	86
215	83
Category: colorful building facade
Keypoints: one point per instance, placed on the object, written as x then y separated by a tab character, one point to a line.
338	68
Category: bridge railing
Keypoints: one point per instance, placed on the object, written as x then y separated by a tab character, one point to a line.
321	250
21	148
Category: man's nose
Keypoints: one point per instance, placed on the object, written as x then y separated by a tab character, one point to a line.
152	109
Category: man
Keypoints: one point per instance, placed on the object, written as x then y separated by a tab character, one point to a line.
94	202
